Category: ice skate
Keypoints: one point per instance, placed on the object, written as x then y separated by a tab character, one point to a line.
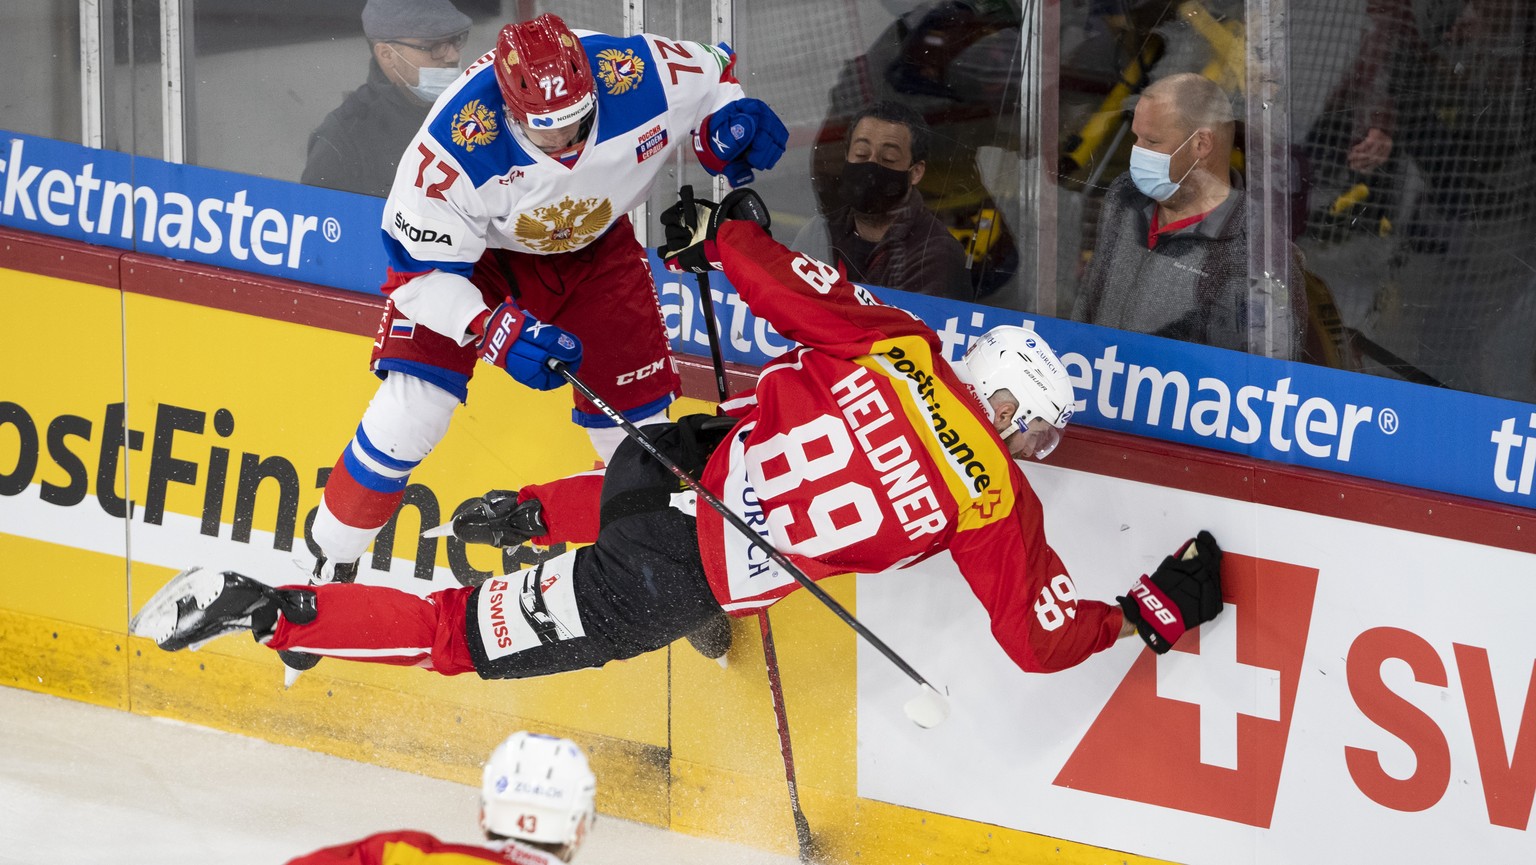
327	571
296	663
324	571
201	604
713	638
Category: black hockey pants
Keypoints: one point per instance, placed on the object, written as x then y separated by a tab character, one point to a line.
641	586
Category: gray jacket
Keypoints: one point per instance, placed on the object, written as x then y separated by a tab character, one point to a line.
1194	286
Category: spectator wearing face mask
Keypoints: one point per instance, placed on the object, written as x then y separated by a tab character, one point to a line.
883	234
415	53
1171	258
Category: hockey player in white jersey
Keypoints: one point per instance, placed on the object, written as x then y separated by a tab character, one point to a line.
509	242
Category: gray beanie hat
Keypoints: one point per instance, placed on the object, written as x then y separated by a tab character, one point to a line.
412	19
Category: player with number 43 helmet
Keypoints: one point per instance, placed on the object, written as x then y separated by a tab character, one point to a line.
538	789
536	807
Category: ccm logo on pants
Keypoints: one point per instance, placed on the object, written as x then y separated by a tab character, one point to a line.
646	371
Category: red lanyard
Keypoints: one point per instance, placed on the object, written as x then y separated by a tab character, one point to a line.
1153	231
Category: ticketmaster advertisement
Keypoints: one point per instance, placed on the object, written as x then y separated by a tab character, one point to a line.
1293	413
1366	695
1285	412
190	213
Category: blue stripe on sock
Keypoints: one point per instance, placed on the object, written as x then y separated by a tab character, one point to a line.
379	456
370	479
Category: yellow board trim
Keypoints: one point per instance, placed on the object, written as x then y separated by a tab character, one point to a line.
676	741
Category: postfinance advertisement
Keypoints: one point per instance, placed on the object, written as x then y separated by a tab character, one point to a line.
147	435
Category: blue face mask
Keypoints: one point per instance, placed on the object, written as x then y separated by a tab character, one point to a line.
1149	171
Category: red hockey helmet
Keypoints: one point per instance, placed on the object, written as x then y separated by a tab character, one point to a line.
544	75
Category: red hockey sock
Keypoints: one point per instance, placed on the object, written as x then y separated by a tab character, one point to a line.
381	625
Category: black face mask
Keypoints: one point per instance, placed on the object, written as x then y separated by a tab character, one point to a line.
869	187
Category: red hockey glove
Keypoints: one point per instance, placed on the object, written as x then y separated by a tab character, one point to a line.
523	346
692	223
741	136
1184	592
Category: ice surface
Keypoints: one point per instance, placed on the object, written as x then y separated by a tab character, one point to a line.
82	784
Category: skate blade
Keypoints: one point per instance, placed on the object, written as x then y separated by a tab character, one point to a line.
290	675
158	618
443	531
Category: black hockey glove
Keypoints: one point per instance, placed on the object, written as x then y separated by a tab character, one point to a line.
499	520
1184	592
691	225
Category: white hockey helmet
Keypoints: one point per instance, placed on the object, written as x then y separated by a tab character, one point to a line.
1021	361
538	788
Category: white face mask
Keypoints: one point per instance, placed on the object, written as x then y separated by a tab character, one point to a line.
1150	171
431	81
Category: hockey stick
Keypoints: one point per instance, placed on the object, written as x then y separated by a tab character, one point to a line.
927	709
707	300
803	837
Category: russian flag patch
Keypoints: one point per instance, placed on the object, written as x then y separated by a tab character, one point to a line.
403	328
651	143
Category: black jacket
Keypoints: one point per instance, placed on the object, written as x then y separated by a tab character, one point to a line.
357	147
917	254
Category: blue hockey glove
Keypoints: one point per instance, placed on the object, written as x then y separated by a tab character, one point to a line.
523	346
739	137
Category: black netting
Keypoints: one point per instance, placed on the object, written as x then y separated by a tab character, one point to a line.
1416	122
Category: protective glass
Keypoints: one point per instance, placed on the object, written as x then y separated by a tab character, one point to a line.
441	50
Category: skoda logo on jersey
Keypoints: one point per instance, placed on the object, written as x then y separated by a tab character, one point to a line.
420	235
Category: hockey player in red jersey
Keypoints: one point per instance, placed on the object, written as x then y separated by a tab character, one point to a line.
861	450
536	808
508	242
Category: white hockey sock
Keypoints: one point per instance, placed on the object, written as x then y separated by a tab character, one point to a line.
605	440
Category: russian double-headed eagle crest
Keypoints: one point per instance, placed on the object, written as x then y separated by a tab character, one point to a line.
621	71
565	225
474	125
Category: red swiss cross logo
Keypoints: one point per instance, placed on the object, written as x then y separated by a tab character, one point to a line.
988	503
1208	722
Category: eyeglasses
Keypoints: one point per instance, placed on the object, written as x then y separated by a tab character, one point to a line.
441	50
